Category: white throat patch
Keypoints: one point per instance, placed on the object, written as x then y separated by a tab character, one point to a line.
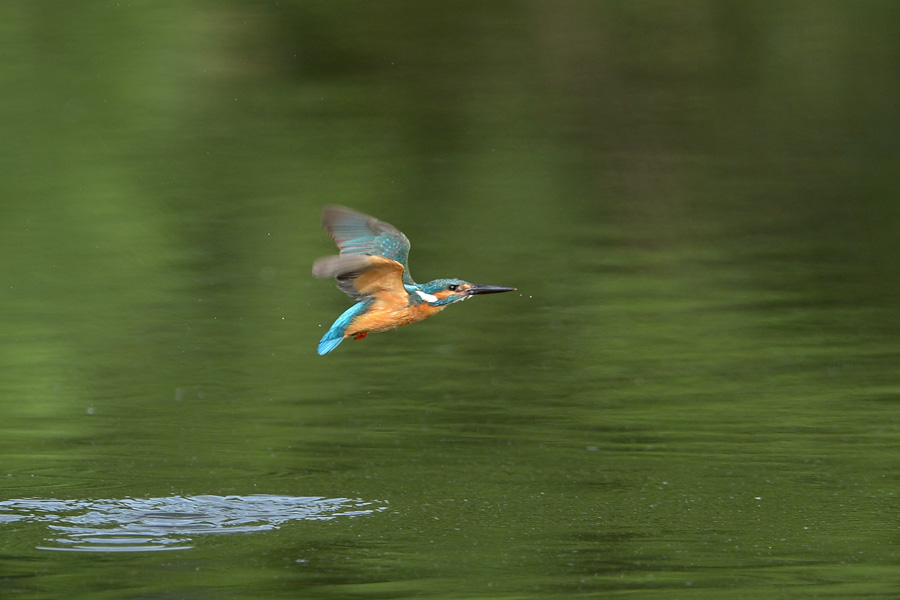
426	297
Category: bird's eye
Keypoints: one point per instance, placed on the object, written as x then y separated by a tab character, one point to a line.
452	287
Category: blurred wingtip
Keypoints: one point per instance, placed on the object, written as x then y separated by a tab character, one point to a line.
332	266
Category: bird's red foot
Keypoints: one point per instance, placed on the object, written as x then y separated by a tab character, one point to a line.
360	335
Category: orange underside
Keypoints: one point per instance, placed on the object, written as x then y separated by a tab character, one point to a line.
382	317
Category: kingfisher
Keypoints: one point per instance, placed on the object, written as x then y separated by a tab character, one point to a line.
372	268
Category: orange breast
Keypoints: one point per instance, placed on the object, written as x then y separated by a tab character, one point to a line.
382	317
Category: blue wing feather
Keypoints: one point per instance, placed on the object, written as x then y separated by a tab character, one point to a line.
356	233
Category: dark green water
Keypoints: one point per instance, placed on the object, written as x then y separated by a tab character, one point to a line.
693	394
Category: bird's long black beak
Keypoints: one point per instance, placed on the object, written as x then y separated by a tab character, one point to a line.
488	289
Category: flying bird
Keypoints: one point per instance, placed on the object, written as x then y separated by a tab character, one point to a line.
372	268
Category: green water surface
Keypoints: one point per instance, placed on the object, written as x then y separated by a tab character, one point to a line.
694	393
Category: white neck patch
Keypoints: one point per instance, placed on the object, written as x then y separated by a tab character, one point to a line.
426	297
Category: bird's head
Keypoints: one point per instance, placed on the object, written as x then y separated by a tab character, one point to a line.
441	292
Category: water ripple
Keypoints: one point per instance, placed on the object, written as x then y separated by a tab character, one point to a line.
170	523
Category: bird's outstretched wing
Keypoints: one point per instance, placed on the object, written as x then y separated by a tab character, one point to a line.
373	255
356	234
364	276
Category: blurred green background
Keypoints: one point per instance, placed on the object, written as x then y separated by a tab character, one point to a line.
693	393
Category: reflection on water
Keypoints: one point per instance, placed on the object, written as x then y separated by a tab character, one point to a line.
149	524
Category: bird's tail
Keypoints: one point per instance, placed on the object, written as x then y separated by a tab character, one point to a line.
331	340
335	334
